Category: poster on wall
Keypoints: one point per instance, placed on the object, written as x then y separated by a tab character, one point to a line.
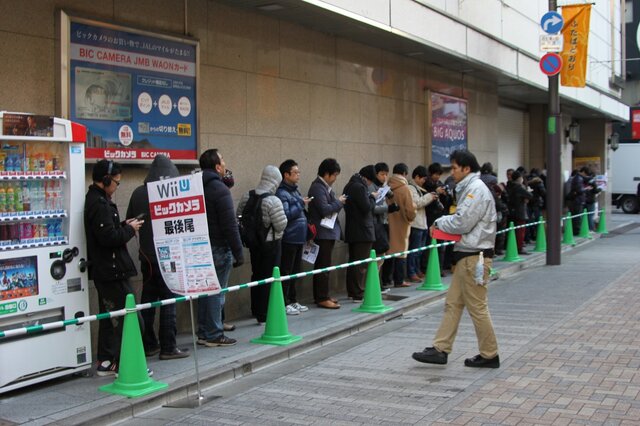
181	235
448	127
135	91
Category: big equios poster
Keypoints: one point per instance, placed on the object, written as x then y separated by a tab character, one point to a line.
135	91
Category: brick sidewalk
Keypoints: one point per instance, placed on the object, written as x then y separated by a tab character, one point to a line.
583	372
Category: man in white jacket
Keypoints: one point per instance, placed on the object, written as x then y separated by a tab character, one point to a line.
474	219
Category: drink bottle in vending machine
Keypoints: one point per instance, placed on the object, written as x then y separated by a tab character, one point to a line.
43	276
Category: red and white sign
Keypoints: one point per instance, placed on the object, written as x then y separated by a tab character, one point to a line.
181	234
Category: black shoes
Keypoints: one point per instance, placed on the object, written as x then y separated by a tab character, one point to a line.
430	356
175	354
478	361
151	352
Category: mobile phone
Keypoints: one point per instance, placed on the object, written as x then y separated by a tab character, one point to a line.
311	198
141	216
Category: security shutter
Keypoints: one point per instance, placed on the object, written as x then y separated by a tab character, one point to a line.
512	134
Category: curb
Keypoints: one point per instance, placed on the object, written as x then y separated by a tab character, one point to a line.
122	408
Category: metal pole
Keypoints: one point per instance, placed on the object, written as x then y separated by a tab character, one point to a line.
554	179
199	396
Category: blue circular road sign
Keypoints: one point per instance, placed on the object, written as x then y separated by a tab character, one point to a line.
551	64
552	22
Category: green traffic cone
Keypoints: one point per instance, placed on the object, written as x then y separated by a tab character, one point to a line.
602	224
133	378
372	301
584	226
276	330
432	280
568	231
511	254
541	238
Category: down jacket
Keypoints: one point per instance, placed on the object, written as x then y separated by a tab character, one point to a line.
293	206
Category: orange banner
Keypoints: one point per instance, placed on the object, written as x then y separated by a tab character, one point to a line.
576	44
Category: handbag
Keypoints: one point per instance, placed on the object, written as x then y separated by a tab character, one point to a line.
381	244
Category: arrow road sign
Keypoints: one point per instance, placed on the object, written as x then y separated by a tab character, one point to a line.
552	22
551	64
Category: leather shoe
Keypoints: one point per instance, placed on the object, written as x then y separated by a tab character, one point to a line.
430	356
479	361
328	304
151	352
404	284
333	299
523	253
414	279
175	354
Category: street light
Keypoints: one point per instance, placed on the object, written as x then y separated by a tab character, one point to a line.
573	133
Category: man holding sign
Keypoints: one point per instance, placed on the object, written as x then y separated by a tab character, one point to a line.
475	220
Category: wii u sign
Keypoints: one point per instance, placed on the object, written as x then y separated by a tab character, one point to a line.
173	188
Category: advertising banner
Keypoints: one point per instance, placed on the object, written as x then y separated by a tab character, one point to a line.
576	44
448	127
181	235
135	92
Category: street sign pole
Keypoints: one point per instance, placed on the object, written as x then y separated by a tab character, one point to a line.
554	179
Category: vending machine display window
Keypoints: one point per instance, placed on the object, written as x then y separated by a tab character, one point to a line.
18	277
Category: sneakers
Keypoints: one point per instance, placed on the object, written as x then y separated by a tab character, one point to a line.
430	356
107	368
299	307
291	310
479	361
220	341
175	354
385	290
228	327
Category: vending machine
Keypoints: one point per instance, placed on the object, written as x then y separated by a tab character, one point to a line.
43	253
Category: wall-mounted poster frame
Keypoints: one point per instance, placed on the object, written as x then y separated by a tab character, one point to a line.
135	91
448	126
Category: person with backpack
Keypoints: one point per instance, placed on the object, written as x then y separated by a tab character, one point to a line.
295	234
225	247
323	213
262	224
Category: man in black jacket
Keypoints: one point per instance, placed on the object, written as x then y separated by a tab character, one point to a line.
153	286
110	265
359	232
225	246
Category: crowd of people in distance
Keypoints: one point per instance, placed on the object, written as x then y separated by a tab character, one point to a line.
388	210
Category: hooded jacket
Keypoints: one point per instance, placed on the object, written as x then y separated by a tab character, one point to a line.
475	216
161	167
400	221
293	206
107	238
272	210
358	212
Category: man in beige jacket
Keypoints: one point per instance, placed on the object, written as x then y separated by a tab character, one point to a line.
400	222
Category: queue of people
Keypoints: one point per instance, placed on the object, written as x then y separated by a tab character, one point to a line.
388	214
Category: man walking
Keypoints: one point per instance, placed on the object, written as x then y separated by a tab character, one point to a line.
225	246
475	220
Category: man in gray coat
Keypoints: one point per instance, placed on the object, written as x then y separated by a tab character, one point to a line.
475	220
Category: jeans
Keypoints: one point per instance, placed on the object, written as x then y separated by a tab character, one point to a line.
210	325
153	289
417	238
111	297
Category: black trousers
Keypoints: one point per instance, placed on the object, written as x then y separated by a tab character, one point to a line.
111	297
263	259
321	281
153	289
290	263
356	275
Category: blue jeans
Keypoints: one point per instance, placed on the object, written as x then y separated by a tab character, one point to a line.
417	238
210	324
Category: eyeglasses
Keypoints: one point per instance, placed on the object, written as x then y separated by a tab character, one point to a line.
116	181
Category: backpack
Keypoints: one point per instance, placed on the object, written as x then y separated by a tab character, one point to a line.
252	231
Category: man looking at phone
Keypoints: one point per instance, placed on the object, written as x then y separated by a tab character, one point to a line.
153	286
110	265
295	234
474	219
